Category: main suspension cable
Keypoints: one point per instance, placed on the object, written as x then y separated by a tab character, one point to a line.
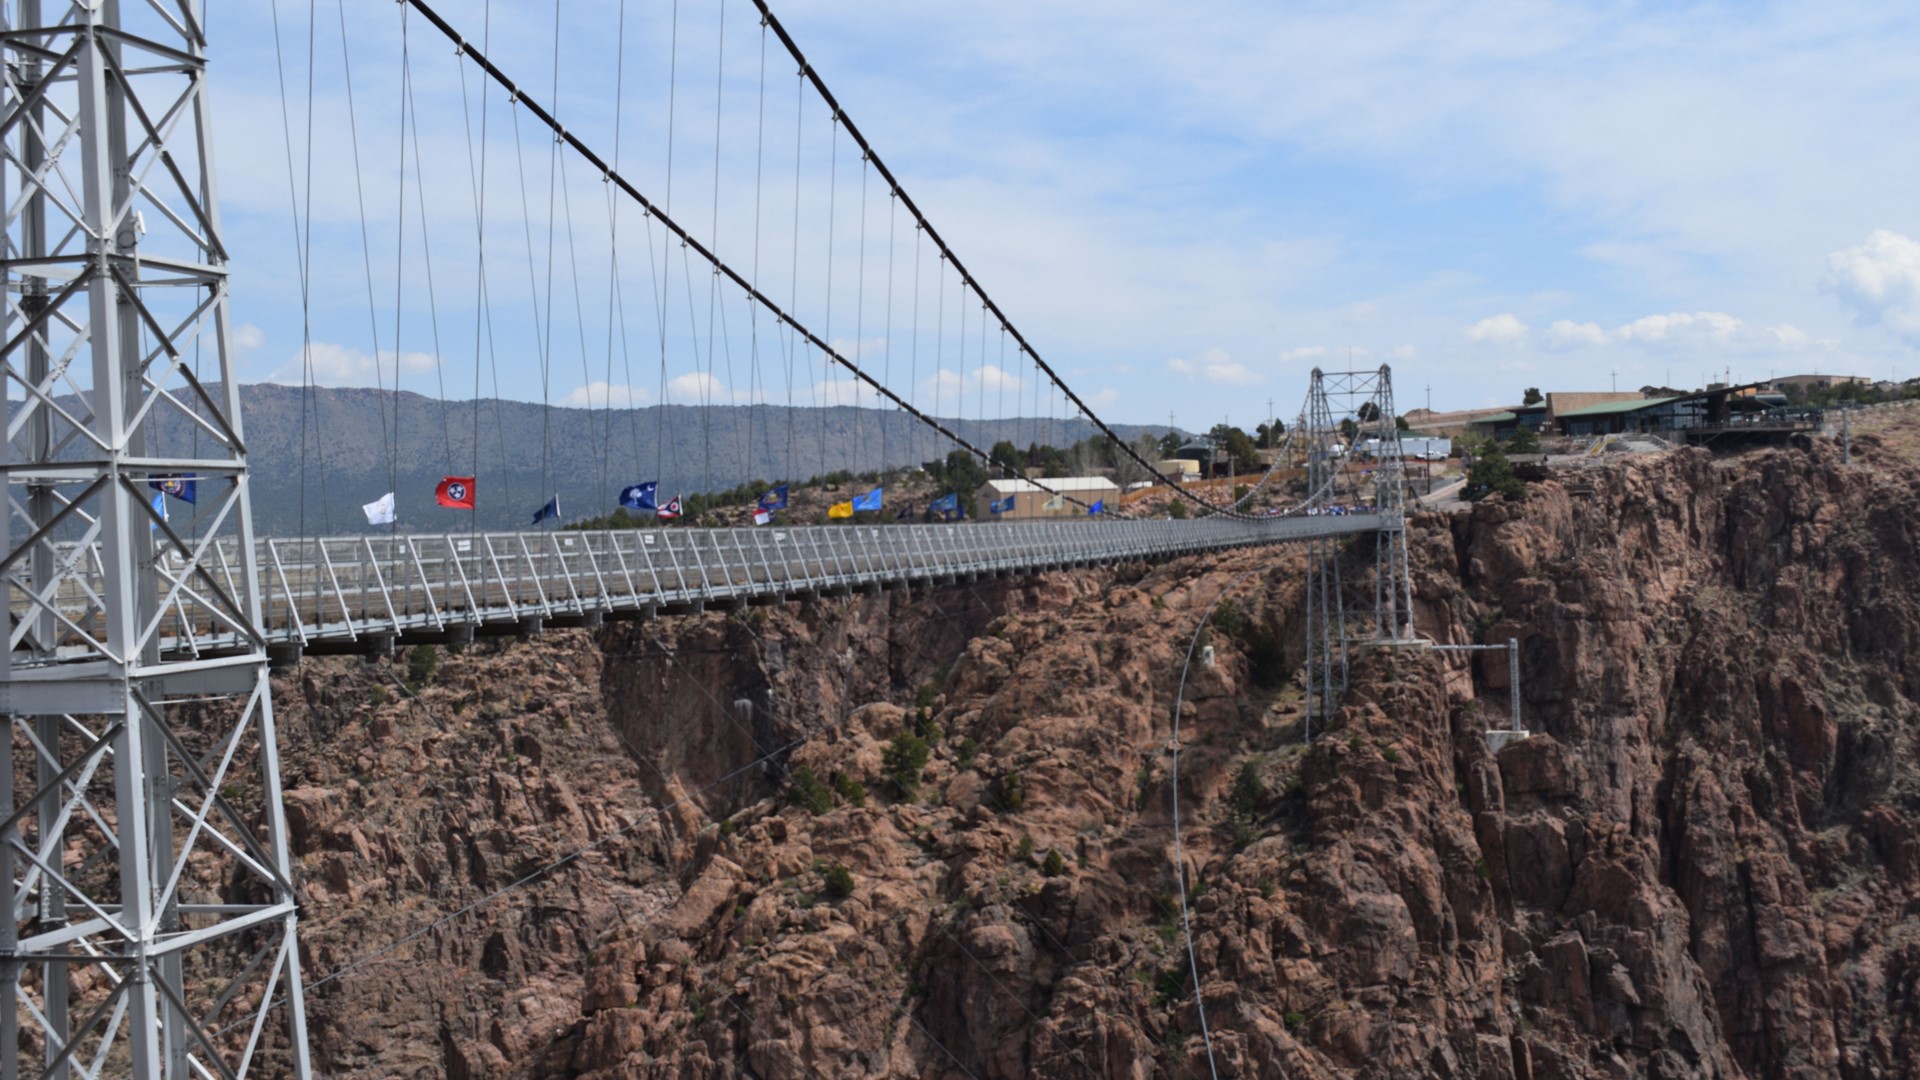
689	243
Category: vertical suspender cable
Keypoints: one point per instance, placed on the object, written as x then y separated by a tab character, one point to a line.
366	248
399	266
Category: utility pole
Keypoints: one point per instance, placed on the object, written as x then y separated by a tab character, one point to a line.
140	850
1429	399
1615	376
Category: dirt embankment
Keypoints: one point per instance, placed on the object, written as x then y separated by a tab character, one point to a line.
1705	863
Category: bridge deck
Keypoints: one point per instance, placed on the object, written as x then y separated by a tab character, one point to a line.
361	592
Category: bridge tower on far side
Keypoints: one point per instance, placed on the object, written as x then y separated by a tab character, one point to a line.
1354	466
150	929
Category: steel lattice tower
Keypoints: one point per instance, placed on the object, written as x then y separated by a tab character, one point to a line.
144	849
1365	474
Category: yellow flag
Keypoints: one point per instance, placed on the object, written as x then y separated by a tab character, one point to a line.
1058	502
840	510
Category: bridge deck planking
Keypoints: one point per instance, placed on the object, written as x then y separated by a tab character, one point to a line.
339	592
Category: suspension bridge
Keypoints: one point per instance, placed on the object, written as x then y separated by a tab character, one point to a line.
154	918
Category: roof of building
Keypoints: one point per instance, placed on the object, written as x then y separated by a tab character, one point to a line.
1507	417
1562	402
1614	408
1058	483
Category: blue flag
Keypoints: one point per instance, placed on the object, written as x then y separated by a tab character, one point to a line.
945	504
777	499
1099	506
869	501
551	510
181	487
1001	506
159	508
639	496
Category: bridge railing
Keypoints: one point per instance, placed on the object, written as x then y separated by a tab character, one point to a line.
336	589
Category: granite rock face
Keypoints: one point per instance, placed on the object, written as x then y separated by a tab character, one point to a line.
935	835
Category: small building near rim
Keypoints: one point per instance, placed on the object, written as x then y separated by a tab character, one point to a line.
1030	499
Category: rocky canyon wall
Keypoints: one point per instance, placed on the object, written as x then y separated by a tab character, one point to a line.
932	835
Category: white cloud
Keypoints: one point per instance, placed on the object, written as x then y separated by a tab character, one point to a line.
1216	366
1497	330
1304	352
1403	352
697	388
1789	336
1104	397
1565	333
599	394
992	378
1879	280
327	364
248	337
1717	326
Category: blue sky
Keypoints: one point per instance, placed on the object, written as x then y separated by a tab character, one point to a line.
1186	207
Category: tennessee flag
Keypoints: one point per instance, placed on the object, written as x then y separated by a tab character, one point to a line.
455	491
840	510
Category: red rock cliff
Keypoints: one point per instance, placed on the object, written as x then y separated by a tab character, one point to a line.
1703	864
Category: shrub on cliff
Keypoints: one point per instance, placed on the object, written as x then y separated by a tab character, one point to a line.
903	759
809	793
421	663
1491	473
839	882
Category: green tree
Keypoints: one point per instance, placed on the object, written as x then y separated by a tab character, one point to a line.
963	476
809	793
903	759
1400	423
1054	865
1525	441
1533	396
1236	445
1170	442
1369	412
1491	473
1177	509
1009	455
839	882
1349	429
420	665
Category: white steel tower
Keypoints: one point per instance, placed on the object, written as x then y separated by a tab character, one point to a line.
143	852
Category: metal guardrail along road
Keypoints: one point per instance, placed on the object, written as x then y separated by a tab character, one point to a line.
361	592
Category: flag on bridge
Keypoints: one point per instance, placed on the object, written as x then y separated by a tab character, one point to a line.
869	501
1058	502
455	491
945	504
159	510
1000	506
840	510
181	487
639	496
1099	507
551	510
380	510
775	499
671	511
763	517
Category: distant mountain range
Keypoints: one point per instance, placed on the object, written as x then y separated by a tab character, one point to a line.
589	454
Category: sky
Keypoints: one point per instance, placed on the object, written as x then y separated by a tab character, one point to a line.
1184	208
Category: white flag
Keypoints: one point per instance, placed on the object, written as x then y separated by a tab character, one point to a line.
380	510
